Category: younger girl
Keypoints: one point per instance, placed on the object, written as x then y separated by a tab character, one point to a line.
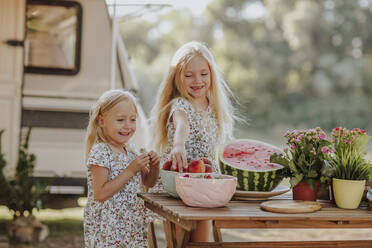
114	216
192	113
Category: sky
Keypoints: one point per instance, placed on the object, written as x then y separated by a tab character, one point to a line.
150	10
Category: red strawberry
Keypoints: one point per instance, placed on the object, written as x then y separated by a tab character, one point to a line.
208	177
187	175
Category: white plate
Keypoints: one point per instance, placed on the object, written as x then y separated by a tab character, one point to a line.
369	195
260	195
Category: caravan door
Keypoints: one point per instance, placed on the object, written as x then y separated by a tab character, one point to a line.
12	13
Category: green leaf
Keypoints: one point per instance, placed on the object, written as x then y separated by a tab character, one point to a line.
295	180
311	182
312	174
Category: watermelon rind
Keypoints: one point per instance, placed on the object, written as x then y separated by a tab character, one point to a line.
249	180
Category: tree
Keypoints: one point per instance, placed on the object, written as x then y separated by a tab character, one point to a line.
303	63
21	193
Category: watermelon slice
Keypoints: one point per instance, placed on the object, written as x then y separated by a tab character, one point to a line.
249	161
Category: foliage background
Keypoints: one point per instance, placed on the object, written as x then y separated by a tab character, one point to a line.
291	63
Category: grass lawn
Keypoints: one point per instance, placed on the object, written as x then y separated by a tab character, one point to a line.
65	227
66	231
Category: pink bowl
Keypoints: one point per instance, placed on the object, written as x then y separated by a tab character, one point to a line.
196	191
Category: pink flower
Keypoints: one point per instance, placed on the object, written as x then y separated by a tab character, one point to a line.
286	149
322	136
312	131
293	146
325	150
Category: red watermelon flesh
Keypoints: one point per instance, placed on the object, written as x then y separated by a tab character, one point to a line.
250	155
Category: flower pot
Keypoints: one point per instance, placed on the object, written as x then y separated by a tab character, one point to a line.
27	230
323	192
348	193
303	191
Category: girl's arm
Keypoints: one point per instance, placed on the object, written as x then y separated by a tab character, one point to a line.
104	188
178	153
149	179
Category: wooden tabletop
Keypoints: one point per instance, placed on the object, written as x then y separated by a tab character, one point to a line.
242	211
248	214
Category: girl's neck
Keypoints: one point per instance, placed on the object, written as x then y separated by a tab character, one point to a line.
120	148
201	103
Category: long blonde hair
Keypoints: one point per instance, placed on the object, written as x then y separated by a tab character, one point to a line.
106	102
172	87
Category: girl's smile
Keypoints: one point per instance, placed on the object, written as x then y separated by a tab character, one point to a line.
196	88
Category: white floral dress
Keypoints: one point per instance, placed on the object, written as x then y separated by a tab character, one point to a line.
202	140
203	133
121	221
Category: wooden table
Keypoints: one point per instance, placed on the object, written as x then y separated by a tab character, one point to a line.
247	214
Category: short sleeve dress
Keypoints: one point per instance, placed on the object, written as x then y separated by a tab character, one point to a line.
121	221
202	140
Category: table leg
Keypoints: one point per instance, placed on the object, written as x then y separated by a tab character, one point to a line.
152	236
185	238
216	233
170	234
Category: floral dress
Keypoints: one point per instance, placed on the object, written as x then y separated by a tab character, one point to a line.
203	131
121	221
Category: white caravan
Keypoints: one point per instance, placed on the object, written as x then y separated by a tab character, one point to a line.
55	61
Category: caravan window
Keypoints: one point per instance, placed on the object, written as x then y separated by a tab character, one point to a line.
53	37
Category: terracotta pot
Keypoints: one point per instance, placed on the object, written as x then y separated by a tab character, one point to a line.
323	192
27	230
302	191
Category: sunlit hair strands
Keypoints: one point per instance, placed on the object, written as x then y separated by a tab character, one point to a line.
106	102
172	87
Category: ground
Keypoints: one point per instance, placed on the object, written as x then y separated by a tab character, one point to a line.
66	230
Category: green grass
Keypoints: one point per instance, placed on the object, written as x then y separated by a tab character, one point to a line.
65	227
57	228
60	222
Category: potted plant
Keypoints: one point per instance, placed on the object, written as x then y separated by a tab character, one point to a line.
348	167
21	194
303	161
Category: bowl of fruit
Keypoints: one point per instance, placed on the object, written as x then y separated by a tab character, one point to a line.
167	174
205	190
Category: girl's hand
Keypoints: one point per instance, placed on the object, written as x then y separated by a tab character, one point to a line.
178	157
154	159
151	176
139	163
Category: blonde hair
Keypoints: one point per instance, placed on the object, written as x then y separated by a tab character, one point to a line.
172	87
106	102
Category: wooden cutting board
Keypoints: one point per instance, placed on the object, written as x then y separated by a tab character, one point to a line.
291	206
